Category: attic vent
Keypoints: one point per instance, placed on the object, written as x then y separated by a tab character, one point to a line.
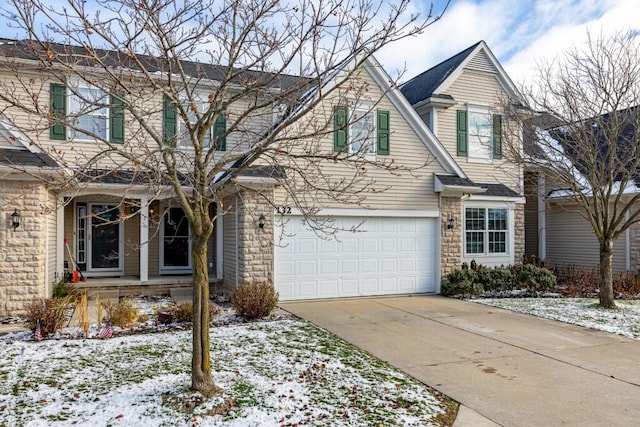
481	62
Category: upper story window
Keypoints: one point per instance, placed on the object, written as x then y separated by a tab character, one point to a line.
175	131
485	231
87	107
362	130
479	134
90	112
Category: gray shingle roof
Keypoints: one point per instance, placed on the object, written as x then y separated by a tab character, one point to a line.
25	49
499	190
456	180
422	86
17	157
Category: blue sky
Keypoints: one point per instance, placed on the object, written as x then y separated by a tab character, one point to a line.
521	33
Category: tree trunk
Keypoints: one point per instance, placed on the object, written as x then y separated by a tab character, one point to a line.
201	379
606	274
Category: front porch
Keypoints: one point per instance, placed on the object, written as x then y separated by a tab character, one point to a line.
116	287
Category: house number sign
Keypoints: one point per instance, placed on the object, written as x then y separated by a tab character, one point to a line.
283	210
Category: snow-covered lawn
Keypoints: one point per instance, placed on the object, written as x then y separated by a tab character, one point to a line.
280	373
624	320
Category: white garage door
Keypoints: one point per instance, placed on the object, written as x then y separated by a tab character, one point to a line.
389	256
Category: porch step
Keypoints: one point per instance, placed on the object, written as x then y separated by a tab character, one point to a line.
181	294
112	295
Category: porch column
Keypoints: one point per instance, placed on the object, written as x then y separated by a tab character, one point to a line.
144	239
60	237
542	218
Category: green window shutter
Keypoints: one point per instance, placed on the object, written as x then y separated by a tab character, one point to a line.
219	129
116	121
383	132
340	134
169	122
462	133
58	110
497	136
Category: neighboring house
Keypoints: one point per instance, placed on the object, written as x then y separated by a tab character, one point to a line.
459	201
556	224
462	101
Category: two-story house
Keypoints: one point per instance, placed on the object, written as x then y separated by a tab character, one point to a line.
454	197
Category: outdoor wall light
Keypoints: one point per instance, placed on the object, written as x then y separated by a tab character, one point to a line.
15	219
261	221
451	223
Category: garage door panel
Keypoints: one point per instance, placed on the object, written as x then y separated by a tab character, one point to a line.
328	267
393	255
307	267
327	288
349	266
368	266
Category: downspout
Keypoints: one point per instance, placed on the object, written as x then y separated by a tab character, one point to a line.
627	244
542	218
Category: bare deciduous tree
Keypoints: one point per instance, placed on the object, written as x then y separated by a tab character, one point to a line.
203	62
592	149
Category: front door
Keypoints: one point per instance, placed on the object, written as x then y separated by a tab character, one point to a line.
176	242
105	242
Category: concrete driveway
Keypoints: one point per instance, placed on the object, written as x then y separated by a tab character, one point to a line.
513	369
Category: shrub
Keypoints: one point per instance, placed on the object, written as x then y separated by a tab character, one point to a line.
123	313
63	289
535	279
495	279
184	311
254	300
461	282
49	312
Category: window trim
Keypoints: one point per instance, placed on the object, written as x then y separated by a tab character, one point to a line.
486	256
76	135
345	121
463	133
372	137
181	128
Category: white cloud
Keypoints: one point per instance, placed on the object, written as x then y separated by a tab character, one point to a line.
520	33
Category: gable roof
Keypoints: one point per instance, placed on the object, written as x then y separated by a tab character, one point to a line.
425	84
437	80
24	158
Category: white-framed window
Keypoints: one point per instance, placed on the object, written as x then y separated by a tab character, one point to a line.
479	134
362	131
89	112
480	128
486	231
218	128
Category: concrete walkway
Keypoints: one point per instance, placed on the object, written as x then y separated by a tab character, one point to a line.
504	368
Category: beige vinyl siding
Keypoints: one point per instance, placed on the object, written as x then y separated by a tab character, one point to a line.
69	233
481	89
531	214
481	62
52	242
154	240
132	246
407	190
229	250
79	152
570	240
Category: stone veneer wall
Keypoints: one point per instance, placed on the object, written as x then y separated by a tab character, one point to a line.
450	239
255	244
519	234
23	252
